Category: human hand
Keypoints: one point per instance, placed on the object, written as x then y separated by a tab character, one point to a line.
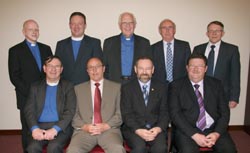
201	140
212	137
232	104
38	134
147	135
50	134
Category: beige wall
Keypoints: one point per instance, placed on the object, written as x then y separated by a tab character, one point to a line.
191	18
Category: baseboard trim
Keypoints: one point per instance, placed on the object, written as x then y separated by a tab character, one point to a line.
18	131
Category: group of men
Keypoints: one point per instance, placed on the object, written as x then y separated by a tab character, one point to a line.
130	90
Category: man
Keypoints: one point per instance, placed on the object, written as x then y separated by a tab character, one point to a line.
223	62
170	54
74	51
144	110
121	51
49	110
198	110
25	67
97	120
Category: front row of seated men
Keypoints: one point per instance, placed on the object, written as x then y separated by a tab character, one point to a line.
97	109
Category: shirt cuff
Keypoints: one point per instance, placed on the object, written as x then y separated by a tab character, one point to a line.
34	127
58	129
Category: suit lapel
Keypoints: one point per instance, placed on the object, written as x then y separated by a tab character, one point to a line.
221	55
69	51
41	95
138	91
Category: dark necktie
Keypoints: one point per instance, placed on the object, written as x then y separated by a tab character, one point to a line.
97	104
145	94
201	122
169	63
210	62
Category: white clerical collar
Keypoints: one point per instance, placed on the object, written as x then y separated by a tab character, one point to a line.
77	38
52	83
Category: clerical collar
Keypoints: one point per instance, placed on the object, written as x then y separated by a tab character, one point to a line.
30	44
131	38
77	38
52	83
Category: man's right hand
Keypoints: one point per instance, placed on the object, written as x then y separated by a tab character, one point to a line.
201	140
38	134
147	135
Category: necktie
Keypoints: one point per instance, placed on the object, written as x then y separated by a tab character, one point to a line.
210	62
97	104
169	63
201	122
145	93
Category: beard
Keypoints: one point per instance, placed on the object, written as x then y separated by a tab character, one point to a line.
144	78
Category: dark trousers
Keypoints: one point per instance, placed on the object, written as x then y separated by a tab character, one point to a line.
25	131
138	145
185	144
53	146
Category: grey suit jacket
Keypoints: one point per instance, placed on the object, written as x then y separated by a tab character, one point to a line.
75	70
112	55
184	108
110	105
227	68
181	53
65	103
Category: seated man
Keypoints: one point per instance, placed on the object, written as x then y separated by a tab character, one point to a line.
97	120
49	110
199	110
144	110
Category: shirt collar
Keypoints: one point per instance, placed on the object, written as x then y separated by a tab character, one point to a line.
77	38
30	44
131	38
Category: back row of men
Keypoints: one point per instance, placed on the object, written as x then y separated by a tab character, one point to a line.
119	55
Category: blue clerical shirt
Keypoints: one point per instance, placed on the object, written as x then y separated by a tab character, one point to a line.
127	55
36	53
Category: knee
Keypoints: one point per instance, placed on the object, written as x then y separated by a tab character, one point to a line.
159	149
139	148
114	148
55	147
228	149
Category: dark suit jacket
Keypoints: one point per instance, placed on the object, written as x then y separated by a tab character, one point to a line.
66	103
23	69
112	55
136	114
184	108
227	68
181	53
75	71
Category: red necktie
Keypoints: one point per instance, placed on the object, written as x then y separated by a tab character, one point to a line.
97	105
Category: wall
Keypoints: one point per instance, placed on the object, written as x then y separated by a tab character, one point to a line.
191	18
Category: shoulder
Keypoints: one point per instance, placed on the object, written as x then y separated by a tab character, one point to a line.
157	44
112	38
64	40
89	38
17	46
140	38
201	45
225	44
178	41
112	84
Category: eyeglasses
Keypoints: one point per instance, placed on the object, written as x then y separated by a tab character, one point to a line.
215	31
57	67
91	68
127	23
196	66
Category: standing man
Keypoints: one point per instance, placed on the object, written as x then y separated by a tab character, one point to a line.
223	61
49	110
144	110
98	119
170	55
25	67
198	110
75	51
121	51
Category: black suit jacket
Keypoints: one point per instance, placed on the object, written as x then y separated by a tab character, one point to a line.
227	68
184	108
181	53
112	55
65	103
75	71
136	114
23	69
